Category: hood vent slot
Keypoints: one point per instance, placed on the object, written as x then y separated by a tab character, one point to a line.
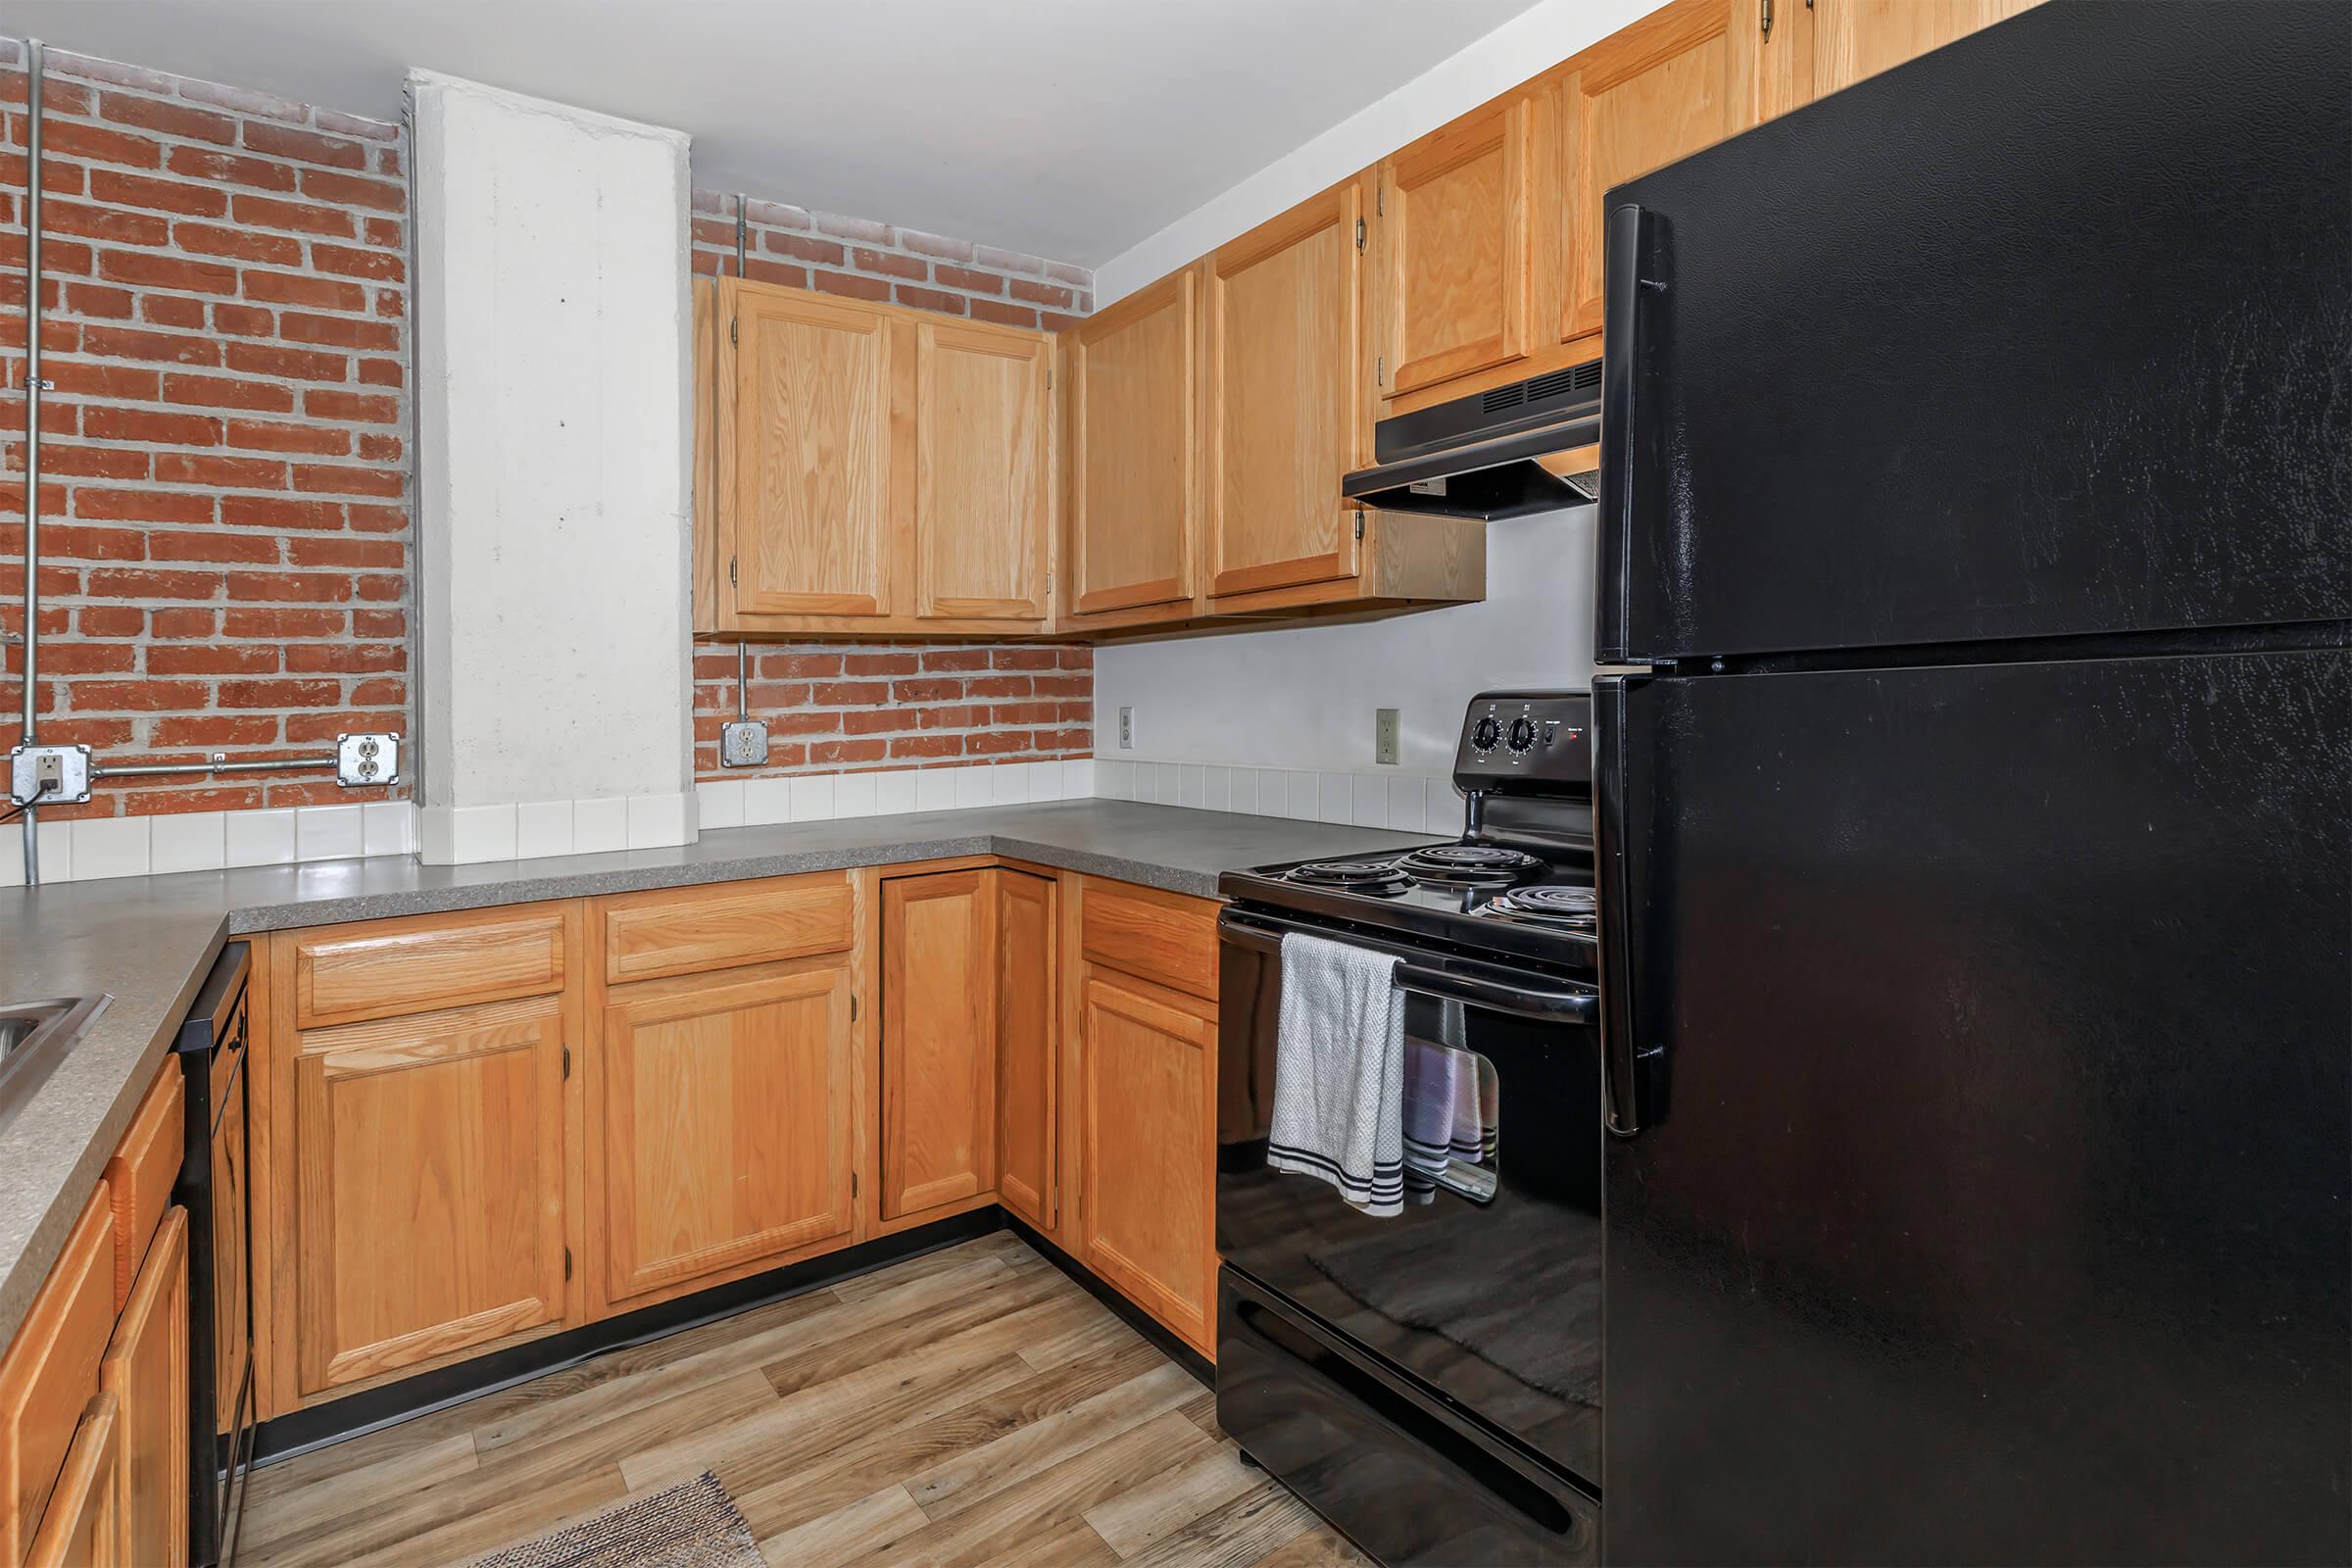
1476	456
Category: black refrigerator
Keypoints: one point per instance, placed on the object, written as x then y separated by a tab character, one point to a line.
1974	813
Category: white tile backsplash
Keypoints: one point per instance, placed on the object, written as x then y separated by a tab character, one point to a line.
109	846
812	798
600	828
1380	797
721	802
256	838
894	793
187	841
328	832
542	828
852	795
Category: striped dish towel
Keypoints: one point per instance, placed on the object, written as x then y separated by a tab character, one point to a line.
1338	1072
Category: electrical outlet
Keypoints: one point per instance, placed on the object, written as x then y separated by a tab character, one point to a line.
1384	739
52	775
1126	729
367	760
743	743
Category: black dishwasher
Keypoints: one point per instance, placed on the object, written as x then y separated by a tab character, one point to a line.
215	1190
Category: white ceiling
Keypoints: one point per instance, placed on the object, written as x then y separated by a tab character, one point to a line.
1069	129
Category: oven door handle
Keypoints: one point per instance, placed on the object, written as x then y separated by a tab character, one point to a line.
1542	1004
1549	1006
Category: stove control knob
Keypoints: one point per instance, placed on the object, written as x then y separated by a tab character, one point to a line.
1485	733
1523	734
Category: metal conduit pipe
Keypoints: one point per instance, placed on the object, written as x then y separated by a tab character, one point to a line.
32	426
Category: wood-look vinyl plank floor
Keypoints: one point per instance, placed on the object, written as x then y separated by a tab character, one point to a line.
968	1406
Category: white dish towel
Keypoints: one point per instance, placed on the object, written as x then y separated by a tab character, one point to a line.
1338	1072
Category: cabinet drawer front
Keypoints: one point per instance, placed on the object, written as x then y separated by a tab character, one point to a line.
139	1176
375	973
1161	936
51	1371
647	935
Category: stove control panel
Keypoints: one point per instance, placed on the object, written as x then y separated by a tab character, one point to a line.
1527	743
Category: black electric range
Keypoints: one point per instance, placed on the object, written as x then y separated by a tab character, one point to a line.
1430	1381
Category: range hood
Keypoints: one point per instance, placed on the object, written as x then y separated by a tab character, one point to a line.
1532	446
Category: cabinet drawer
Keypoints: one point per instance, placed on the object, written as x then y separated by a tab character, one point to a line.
139	1176
50	1373
389	967
1161	936
678	931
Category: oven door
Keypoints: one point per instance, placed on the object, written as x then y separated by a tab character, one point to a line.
1485	1293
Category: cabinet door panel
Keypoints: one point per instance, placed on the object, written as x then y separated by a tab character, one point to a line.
146	1370
1286	404
982	472
83	1526
430	1186
1134	370
50	1369
1454	248
1857	38
1147	1071
1027	919
1678	80
938	1040
726	1121
809	447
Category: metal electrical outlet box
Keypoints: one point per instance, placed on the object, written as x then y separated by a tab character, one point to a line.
743	743
1385	740
1126	729
53	775
367	760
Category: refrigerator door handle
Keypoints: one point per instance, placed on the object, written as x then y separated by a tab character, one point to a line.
1627	257
1633	1076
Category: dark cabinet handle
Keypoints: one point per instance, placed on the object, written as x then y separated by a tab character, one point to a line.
1627	280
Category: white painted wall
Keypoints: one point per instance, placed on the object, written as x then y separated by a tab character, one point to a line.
1529	43
1304	699
552	352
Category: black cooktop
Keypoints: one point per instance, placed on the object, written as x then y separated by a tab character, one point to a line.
1519	882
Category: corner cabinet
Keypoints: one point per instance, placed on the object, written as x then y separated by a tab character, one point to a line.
1133	473
867	469
939	1040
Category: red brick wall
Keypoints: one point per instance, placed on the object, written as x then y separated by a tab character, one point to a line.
226	526
846	708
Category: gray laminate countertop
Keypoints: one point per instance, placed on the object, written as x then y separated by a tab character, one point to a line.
148	942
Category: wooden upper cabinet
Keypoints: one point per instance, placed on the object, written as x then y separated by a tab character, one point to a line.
939	1070
1286	411
983	472
724	1112
1454	215
1028	918
430	1175
1838	42
1133	517
1146	1206
806	501
1678	80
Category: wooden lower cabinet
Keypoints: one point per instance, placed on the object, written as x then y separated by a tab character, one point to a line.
1028	1045
721	1123
146	1370
429	1178
49	1374
939	1070
86	1525
1147	1204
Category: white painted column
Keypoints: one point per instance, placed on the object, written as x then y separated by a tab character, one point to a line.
553	477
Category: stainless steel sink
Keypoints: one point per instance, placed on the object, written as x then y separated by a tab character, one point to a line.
33	1036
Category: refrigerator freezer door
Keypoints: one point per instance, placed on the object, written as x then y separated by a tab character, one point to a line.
1999	1214
2046	333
